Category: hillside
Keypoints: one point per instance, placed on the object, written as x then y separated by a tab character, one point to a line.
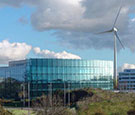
107	103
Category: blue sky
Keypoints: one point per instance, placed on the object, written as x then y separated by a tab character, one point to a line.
13	30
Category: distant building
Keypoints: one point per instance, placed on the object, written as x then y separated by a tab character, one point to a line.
43	74
127	80
16	70
3	72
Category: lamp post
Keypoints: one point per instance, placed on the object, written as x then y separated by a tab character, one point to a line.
28	98
50	92
64	93
69	93
23	94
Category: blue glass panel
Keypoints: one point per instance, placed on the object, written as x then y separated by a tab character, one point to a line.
88	73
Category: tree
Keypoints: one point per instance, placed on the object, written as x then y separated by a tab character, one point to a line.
43	106
3	111
10	88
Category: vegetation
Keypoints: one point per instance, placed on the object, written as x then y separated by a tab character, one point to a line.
10	89
89	102
82	102
20	112
4	111
107	103
50	106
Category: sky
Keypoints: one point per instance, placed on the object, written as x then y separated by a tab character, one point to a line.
66	29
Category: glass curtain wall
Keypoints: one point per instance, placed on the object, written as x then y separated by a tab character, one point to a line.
68	73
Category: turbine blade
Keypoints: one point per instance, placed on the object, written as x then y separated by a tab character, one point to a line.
108	31
119	40
115	21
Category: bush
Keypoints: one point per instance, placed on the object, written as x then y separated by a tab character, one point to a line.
75	95
47	106
4	112
99	113
131	112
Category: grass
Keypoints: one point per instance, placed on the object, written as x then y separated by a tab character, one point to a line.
105	108
20	112
106	103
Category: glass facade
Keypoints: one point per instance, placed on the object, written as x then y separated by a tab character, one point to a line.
68	73
15	69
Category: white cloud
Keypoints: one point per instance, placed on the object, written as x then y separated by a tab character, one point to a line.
127	66
133	20
13	51
81	18
84	15
19	51
52	54
57	14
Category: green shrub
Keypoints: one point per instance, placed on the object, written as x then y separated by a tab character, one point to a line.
131	112
4	112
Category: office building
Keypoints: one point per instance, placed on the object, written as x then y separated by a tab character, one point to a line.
53	74
126	80
15	69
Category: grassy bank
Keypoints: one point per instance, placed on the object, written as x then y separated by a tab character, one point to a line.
107	103
90	102
17	111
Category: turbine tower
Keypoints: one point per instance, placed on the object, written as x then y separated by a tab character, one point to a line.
114	30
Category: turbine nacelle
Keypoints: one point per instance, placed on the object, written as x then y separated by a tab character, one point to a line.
115	29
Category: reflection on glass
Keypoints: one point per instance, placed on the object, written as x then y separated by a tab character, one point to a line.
80	73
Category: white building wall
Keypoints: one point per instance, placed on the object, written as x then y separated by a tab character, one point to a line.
127	79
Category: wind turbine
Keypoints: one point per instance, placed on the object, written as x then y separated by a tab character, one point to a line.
114	30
